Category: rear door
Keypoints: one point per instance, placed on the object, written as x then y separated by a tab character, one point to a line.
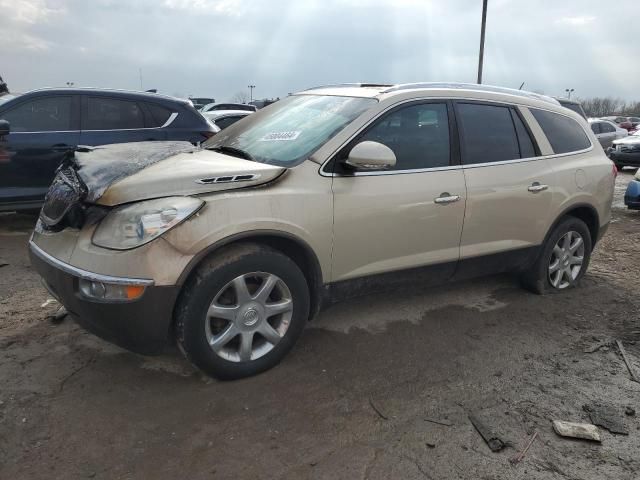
508	186
117	120
408	216
607	134
43	130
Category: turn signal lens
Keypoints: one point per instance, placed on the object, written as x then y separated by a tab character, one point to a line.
109	291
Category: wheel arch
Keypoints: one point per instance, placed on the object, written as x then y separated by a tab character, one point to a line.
585	212
290	245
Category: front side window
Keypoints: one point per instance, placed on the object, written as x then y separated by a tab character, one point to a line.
111	114
488	133
417	134
227	121
290	130
564	134
49	114
595	127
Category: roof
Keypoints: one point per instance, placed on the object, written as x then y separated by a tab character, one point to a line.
380	90
108	91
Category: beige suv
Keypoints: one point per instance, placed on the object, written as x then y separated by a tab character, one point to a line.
230	248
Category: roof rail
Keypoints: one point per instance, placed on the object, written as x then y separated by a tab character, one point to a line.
473	86
350	85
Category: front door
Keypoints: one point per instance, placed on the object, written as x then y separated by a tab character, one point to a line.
43	130
406	217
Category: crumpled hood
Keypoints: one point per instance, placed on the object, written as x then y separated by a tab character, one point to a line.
123	173
631	139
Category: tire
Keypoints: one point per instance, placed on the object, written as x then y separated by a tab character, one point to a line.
539	277
215	310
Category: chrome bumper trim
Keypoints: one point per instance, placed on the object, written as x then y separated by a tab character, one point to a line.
77	272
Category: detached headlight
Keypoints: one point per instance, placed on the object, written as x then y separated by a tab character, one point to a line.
134	225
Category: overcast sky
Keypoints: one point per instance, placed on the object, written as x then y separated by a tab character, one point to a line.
218	47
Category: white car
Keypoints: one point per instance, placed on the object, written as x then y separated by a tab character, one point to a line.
606	131
225	118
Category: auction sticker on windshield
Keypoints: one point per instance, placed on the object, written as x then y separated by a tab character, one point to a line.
280	136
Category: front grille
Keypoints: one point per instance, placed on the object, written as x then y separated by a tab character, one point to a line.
63	202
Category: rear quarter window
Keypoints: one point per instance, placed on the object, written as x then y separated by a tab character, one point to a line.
564	133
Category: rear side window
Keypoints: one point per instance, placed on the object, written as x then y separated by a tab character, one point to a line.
564	134
607	128
41	115
158	115
595	127
111	114
488	133
227	121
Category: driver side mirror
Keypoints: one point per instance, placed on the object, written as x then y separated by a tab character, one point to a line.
370	155
5	128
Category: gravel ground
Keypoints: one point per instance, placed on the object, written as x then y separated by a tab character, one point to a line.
378	387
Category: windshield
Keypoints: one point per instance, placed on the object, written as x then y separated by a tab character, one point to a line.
290	130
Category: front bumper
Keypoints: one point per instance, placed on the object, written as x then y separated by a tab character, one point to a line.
141	325
632	195
625	159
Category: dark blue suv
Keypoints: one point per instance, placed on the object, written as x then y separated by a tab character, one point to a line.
39	127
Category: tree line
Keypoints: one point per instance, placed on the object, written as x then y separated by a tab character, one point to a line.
605	106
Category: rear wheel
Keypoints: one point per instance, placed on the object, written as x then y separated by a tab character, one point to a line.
242	311
564	258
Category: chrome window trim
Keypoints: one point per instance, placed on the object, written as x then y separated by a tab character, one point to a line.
84	274
324	173
169	121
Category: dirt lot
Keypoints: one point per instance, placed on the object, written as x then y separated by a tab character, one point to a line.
355	397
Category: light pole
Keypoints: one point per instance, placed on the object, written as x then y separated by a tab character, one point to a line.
251	87
569	90
484	24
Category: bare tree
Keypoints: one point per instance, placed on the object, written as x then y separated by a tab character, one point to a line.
605	106
240	97
3	87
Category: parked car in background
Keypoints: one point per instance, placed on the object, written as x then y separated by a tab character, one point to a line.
46	124
332	192
228	106
606	132
632	194
199	102
572	105
225	118
626	151
622	122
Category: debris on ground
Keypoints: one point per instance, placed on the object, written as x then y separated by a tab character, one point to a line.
492	439
607	417
630	412
445	423
585	431
518	458
623	352
377	410
59	316
3	263
594	348
48	301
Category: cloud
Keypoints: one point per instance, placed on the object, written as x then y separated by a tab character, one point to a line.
577	21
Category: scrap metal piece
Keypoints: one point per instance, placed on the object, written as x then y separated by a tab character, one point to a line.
623	352
607	417
585	431
494	442
517	459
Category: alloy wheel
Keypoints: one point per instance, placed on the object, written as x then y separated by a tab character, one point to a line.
566	260
249	316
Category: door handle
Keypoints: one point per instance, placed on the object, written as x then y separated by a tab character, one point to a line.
446	198
536	187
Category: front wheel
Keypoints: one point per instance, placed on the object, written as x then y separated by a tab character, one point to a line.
242	311
564	258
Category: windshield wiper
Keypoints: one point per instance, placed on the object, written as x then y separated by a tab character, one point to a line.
236	152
